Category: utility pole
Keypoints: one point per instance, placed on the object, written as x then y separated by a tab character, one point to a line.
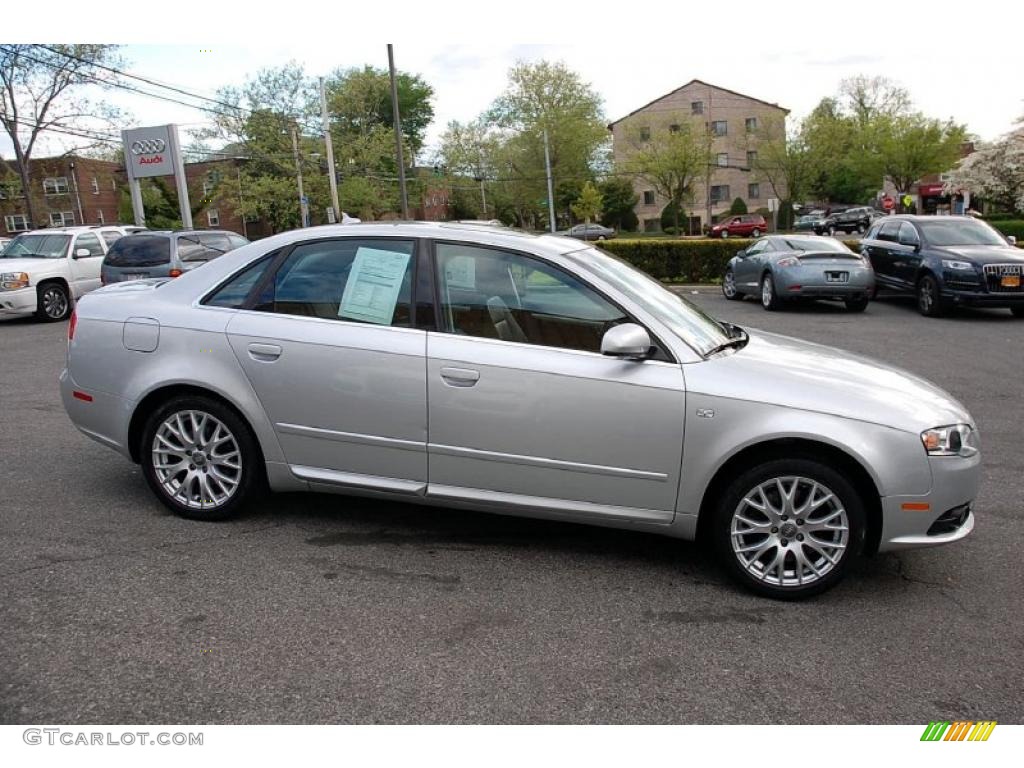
483	196
707	179
330	153
551	190
398	133
303	205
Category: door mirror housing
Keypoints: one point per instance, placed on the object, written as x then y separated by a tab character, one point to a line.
629	340
742	254
1011	239
81	253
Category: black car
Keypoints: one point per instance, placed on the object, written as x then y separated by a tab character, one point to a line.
946	261
590	232
850	220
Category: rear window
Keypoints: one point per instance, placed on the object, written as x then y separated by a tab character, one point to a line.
139	251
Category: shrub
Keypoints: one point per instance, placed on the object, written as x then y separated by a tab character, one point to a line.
1011	227
672	215
738	207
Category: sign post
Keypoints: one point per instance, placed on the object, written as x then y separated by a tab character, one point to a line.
155	151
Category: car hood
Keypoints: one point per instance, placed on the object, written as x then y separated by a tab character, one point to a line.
792	373
27	264
982	254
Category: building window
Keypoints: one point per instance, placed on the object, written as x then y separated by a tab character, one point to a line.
719	127
99	217
645	134
719	193
723	159
213	218
751	158
55	185
207	187
753	191
751	124
696	107
95	185
648	197
17	223
65	219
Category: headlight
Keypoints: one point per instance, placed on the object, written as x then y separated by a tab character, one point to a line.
961	265
789	261
12	281
953	440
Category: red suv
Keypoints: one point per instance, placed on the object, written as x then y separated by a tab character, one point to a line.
747	225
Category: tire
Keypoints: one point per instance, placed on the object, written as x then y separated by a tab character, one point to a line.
1017	311
827	536
725	233
600	237
929	298
756	233
831	231
189	422
729	287
856	305
860	229
769	296
53	303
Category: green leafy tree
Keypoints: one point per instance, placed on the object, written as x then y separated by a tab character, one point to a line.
786	162
738	207
671	216
911	146
619	199
588	204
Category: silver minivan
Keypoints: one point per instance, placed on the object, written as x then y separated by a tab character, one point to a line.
165	253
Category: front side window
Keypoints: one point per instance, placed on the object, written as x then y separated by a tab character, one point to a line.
91	243
889	231
364	281
496	294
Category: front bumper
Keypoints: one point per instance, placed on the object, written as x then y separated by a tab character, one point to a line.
19	302
906	524
984	298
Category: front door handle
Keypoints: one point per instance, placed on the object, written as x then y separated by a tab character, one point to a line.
460	377
264	353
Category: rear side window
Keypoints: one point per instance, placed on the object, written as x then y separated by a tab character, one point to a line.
237	241
889	231
234	292
89	242
202	247
139	251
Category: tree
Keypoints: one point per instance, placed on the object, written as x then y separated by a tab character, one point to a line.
995	172
588	204
671	214
41	91
619	199
911	146
671	153
738	207
788	165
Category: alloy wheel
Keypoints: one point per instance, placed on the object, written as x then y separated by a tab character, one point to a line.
789	531
196	459
729	284
55	302
767	291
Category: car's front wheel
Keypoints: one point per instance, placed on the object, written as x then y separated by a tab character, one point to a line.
200	458
52	302
756	233
729	287
929	297
725	233
1017	311
789	527
769	296
831	231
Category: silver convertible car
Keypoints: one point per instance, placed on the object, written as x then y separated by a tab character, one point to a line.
781	268
497	371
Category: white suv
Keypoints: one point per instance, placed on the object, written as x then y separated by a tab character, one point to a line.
44	271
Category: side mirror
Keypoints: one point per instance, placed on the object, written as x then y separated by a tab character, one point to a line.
81	253
742	254
628	340
1011	239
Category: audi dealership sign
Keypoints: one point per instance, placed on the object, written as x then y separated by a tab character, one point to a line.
149	151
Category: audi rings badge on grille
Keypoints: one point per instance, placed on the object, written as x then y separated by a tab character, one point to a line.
148	146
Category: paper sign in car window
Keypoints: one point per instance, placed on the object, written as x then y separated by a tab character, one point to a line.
460	272
374	283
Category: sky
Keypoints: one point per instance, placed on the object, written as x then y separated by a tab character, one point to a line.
794	57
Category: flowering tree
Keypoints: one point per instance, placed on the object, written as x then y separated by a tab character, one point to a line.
995	172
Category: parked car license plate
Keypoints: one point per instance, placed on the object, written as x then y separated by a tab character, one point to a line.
837	277
1010	281
137	276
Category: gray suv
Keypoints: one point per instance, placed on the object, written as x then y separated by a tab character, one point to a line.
165	253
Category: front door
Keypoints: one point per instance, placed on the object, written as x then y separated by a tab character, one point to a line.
525	411
85	270
330	349
748	267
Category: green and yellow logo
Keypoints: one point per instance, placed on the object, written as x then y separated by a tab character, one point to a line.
961	730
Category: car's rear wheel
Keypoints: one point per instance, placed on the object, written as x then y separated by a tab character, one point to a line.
769	296
729	287
929	298
52	302
856	305
789	528
200	458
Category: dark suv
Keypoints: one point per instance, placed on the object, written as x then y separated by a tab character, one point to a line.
850	220
946	261
165	254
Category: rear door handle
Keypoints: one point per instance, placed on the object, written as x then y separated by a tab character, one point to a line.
460	377
264	353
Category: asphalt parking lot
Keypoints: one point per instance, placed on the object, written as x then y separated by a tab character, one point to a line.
323	609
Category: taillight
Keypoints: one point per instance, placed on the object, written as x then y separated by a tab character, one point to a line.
71	325
175	273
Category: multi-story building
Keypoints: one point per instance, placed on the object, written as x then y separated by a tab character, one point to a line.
733	123
66	191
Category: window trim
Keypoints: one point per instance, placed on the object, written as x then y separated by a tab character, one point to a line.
665	352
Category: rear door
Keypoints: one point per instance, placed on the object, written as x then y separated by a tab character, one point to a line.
906	254
85	270
883	256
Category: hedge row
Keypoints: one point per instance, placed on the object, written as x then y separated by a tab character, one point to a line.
685	261
1013	227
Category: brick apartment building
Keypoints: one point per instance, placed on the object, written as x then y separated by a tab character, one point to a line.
737	124
217	184
66	191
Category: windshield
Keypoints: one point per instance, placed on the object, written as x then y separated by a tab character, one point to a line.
959	232
812	244
37	246
687	321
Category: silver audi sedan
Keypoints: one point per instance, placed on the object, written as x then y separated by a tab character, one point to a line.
503	372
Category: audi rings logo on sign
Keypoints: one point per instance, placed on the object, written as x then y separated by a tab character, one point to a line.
148	146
